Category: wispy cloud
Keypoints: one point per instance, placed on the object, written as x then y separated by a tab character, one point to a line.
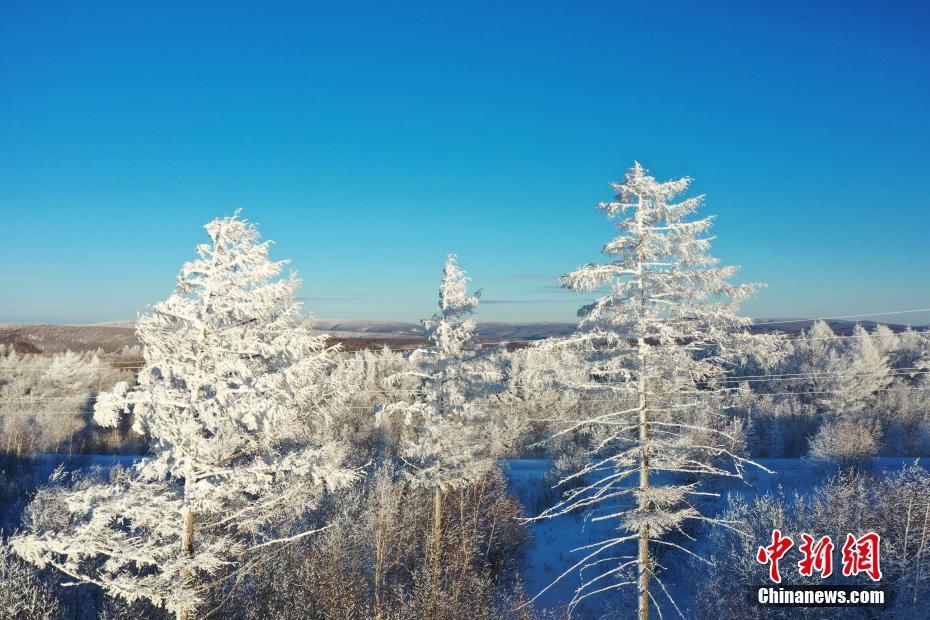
573	300
523	277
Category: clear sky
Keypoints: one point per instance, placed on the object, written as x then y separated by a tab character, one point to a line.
370	139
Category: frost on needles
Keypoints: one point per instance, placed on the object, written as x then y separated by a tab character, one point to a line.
654	349
235	396
446	427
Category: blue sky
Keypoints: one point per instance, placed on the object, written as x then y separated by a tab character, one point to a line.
370	139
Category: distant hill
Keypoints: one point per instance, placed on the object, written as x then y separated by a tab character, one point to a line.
354	334
367	328
57	338
490	331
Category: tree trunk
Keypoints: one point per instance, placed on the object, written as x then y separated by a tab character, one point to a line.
437	533
464	537
643	560
434	550
380	537
644	573
187	550
187	538
920	552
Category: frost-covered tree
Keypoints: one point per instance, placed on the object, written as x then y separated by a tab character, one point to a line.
445	431
844	442
867	373
44	399
839	379
234	397
24	594
841	374
654	349
908	353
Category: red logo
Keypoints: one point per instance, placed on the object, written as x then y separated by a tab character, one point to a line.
773	553
860	555
817	556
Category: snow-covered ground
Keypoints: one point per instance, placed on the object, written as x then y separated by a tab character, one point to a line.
44	464
553	539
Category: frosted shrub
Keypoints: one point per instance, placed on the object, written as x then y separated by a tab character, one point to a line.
24	593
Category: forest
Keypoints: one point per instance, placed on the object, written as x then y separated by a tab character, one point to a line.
238	464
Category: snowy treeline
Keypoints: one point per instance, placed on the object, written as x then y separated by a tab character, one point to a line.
287	478
45	401
838	397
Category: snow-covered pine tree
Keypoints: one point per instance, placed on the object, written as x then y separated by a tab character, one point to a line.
445	433
862	377
234	397
654	349
855	373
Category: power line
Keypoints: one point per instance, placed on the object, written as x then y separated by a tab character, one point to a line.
82	399
847	316
823	373
910	371
694	395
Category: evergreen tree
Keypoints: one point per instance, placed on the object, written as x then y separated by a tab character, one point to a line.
234	397
655	349
446	432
